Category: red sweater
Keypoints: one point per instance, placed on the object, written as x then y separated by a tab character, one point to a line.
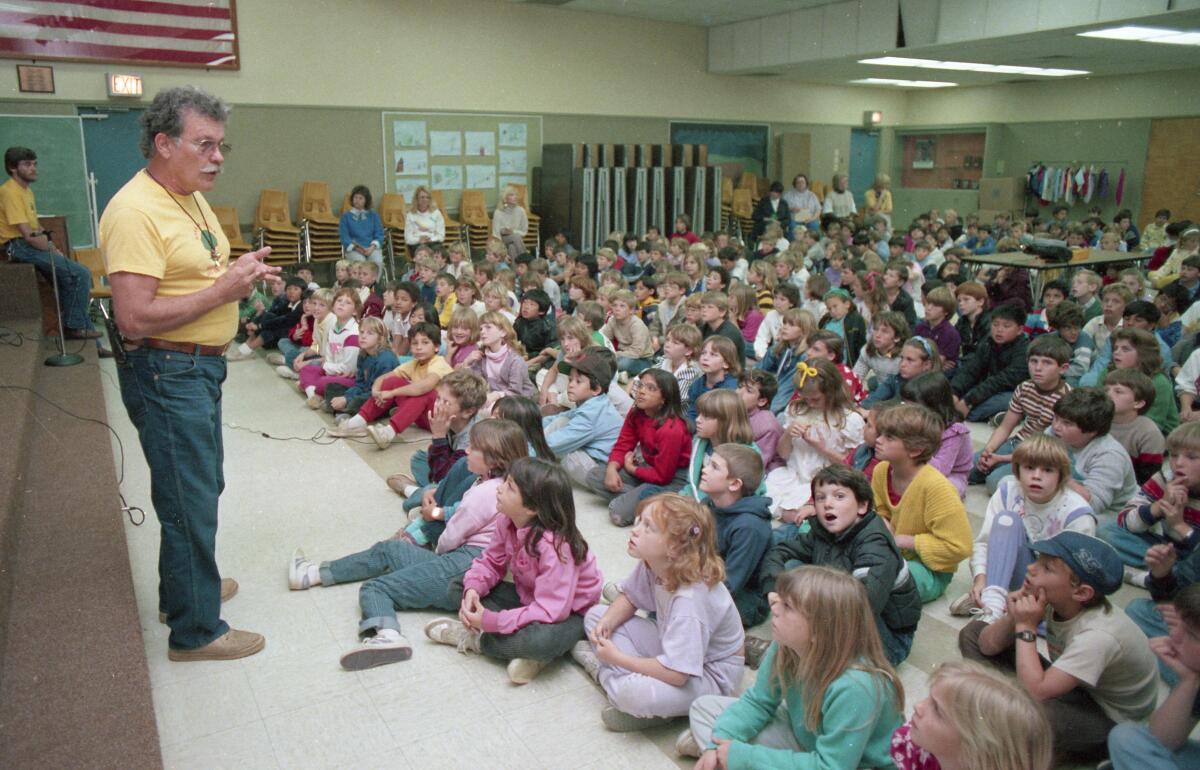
666	448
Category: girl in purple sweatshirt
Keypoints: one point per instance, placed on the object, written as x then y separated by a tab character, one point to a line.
539	616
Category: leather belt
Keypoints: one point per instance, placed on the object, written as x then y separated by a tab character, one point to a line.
190	348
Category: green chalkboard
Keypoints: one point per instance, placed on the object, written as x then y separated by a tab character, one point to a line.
61	188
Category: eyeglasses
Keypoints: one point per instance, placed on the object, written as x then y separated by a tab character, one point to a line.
207	146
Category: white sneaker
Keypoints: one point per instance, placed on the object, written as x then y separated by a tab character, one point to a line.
341	431
275	359
314	401
386	646
287	372
686	745
1138	578
383	435
298	569
984	614
585	655
962	606
452	632
524	670
236	354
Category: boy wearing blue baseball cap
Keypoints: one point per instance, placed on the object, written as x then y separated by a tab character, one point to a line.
1100	671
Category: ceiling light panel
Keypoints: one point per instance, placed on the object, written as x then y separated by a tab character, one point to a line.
1129	32
995	69
904	83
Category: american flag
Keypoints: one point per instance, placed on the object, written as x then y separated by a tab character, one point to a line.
186	33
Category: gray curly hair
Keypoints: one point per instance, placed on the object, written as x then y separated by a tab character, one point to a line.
165	114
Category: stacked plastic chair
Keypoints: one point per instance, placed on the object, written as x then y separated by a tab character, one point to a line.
533	238
227	217
318	224
454	228
742	207
273	227
392	210
726	203
473	211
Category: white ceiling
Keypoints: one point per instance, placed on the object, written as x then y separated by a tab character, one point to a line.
701	13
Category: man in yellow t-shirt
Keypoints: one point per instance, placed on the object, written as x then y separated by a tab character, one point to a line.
175	296
23	239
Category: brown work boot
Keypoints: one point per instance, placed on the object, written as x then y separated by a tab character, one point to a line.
232	645
229	589
400	482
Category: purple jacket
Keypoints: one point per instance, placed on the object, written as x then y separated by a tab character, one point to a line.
945	336
955	457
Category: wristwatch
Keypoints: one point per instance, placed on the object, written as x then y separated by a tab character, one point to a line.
1025	636
436	513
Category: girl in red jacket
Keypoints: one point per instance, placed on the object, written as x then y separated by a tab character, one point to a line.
652	451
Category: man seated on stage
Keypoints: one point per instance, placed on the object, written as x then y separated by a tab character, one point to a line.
22	238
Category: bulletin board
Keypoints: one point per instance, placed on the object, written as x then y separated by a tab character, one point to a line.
456	151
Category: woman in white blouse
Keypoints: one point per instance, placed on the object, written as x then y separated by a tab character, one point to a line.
510	222
424	223
840	201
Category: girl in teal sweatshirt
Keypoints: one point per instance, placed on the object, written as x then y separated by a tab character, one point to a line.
841	699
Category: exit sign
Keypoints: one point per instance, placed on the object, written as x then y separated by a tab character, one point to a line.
124	85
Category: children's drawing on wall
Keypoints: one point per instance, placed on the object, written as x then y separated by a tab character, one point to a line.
410	162
513	135
408	133
480	144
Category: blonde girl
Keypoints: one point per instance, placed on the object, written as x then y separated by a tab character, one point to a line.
339	349
573	336
721	367
503	360
720	419
761	277
880	357
825	695
495	300
375	360
462	339
652	669
974	719
693	266
821	426
495	252
423	224
341	273
744	312
466	292
795	331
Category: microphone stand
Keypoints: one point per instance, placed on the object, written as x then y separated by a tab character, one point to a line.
62	358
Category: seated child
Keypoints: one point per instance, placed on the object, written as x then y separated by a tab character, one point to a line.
1085	285
539	616
583	437
971	713
984	381
409	392
367	275
917	356
460	396
652	451
339	350
1137	315
936	327
462	344
1030	411
1139	350
1066	323
1100	670
628	334
720	419
825	695
744	312
973	324
1165	510
757	389
300	337
495	300
849	536
721	368
1054	293
1171	301
681	347
652	668
845	321
398	318
714	317
1164	743
796	327
827	345
955	457
821	426
1132	394
402	576
503	364
1032	504
268	328
1103	470
1113	299
536	330
880	357
574	336
729	483
786	297
375	360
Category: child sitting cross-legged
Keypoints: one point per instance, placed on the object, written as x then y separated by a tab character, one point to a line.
1030	411
652	451
720	419
1132	394
629	334
984	381
691	645
974	718
539	616
375	360
715	321
1100	671
300	338
574	336
827	345
757	388
796	327
1164	743
410	391
583	437
1103	470
1138	349
400	575
825	695
462	343
1033	504
955	457
536	330
1166	510
338	350
721	368
503	364
921	508
916	356
821	427
880	357
845	533
680	349
845	321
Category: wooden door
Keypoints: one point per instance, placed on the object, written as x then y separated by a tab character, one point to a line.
1172	179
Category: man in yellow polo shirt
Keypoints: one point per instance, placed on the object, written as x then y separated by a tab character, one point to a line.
24	240
175	296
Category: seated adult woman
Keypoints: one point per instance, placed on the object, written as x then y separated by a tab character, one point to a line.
840	201
878	200
803	203
510	222
360	229
423	223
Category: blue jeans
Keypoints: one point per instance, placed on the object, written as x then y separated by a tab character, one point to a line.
1130	746
74	281
400	576
634	366
419	465
896	644
1145	614
174	401
1130	546
998	472
290	350
990	406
